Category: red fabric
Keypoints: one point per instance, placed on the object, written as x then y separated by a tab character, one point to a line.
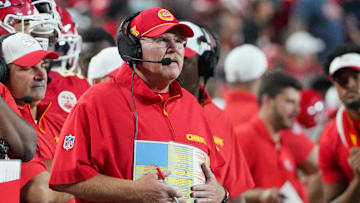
47	128
63	91
351	134
270	167
236	176
6	95
240	106
300	151
31	169
10	191
111	26
155	21
333	156
102	123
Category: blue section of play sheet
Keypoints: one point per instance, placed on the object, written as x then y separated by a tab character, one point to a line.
152	154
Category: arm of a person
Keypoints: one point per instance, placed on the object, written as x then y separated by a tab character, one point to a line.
268	195
337	191
18	133
310	168
37	190
310	165
109	189
237	199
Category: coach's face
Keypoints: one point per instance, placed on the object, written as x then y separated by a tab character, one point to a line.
28	81
168	45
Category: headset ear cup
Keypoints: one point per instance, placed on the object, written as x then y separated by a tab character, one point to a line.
4	71
129	46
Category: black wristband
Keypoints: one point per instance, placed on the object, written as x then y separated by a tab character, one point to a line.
226	197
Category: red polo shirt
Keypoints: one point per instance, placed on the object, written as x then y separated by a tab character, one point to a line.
100	129
240	106
64	90
48	126
235	174
270	167
298	143
333	156
6	95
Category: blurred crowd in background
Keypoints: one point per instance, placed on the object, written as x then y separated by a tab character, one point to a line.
296	35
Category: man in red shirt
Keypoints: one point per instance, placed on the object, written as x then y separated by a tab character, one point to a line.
25	76
201	57
65	86
244	67
142	102
272	162
339	155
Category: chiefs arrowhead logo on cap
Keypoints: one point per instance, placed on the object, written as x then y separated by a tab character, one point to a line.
165	15
28	42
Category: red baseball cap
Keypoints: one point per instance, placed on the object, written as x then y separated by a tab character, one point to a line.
156	21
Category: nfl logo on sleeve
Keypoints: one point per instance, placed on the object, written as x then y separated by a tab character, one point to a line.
69	142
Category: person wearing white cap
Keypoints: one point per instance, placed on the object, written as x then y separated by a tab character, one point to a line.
103	65
339	155
24	72
244	67
201	56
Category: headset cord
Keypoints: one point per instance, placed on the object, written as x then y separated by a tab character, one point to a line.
135	111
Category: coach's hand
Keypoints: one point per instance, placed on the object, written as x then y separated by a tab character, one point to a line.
211	192
149	189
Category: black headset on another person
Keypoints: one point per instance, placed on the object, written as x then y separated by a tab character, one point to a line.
209	59
4	68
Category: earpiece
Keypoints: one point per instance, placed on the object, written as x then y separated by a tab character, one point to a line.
4	68
128	45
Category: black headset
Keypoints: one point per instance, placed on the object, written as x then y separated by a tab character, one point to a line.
209	59
4	68
129	46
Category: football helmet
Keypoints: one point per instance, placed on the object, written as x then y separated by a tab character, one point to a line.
47	25
68	44
15	15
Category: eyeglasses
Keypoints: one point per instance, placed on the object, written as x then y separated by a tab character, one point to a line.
165	42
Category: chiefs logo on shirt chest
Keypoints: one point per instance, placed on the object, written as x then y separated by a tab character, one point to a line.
195	138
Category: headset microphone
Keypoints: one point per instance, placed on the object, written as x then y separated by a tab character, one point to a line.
26	99
164	61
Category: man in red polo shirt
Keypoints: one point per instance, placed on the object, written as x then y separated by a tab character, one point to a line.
339	155
201	57
271	161
244	67
26	79
144	102
65	86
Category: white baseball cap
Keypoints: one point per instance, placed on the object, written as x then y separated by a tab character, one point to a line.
348	60
104	63
245	63
194	44
303	43
23	50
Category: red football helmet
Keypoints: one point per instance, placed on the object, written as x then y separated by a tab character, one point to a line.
312	108
68	44
13	12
